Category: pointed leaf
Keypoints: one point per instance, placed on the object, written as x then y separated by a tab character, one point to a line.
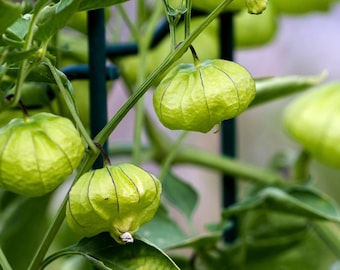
268	89
18	30
200	242
96	4
54	17
301	201
162	231
40	73
105	253
23	223
180	194
8	13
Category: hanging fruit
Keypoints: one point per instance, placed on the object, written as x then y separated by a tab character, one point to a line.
38	153
198	96
313	121
115	199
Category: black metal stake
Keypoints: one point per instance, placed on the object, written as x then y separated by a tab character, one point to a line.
228	129
97	74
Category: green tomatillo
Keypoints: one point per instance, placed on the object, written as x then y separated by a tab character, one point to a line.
116	199
198	96
313	121
37	153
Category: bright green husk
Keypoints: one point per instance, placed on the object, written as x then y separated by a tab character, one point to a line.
38	153
198	97
115	199
313	121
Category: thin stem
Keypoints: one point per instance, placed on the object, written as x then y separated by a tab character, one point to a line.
187	18
21	104
49	236
171	155
70	103
3	261
228	166
59	217
57	255
126	17
144	41
23	70
173	17
194	56
106	158
212	161
172	28
157	73
301	167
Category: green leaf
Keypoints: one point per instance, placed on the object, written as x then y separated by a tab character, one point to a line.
180	194
16	56
23	222
301	201
163	231
268	89
308	253
40	73
200	242
18	30
105	253
97	4
54	17
8	13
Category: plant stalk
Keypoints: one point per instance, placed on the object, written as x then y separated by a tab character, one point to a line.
228	166
86	164
157	73
3	261
70	103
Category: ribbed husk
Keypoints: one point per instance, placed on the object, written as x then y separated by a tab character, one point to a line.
38	153
116	199
196	98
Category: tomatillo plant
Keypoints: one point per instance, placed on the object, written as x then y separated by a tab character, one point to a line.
120	215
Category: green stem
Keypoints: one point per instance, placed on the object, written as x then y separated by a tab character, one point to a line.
23	69
171	155
126	17
301	168
327	236
187	18
59	218
49	236
70	102
156	74
228	166
211	161
3	261
57	255
144	41
268	89
125	149
173	17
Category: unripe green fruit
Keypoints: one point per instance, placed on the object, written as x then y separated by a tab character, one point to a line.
196	97
256	6
37	153
313	121
115	199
